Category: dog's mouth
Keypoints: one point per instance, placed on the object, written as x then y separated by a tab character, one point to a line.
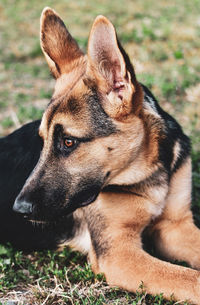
79	200
37	222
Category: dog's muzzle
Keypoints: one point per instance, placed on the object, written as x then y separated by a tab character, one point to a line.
40	205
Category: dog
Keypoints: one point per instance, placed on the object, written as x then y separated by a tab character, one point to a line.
111	164
19	153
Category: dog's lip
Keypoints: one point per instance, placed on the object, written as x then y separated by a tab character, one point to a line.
37	221
84	197
44	221
89	200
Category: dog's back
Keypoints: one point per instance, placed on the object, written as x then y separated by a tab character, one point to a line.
174	145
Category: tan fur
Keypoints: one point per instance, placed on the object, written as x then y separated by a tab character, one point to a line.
175	227
66	81
123	216
125	264
176	153
60	50
103	33
135	193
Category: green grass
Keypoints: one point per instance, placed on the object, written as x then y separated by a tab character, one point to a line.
163	41
61	277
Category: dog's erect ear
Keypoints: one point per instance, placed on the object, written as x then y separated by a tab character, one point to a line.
59	48
112	68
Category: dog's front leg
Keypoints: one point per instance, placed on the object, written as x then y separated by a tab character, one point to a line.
126	265
115	222
175	235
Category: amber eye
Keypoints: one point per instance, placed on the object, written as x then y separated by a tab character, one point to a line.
69	143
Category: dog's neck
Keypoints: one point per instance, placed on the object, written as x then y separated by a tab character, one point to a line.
136	172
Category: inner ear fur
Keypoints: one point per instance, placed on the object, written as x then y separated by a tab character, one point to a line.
112	68
59	47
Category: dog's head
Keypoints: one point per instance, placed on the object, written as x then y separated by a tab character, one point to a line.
92	128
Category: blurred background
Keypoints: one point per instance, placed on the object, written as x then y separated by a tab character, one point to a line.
162	39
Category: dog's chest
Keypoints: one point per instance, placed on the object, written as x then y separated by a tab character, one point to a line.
80	242
157	201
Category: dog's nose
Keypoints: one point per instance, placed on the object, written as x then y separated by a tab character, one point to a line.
22	206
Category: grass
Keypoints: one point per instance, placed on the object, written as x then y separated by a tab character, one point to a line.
60	278
163	41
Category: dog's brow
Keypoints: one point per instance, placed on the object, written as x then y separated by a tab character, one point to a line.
58	128
53	107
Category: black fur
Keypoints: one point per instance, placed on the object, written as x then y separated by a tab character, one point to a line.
172	133
19	153
101	123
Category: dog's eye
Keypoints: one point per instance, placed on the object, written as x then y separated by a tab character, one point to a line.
69	143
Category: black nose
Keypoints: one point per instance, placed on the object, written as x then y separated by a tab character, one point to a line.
22	206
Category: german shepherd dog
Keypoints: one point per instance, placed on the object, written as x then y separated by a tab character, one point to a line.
112	165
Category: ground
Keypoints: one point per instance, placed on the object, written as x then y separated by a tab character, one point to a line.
163	41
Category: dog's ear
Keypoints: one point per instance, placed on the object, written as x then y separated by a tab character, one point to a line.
111	67
58	46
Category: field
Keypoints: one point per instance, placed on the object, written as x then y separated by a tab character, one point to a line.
163	41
